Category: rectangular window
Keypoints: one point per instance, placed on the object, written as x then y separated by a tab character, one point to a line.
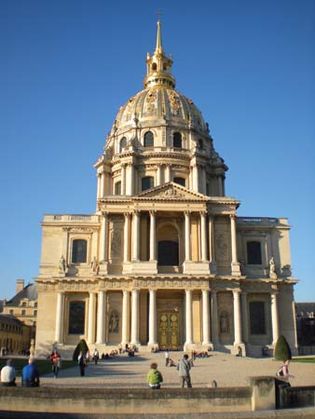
147	183
118	188
257	318
76	317
254	253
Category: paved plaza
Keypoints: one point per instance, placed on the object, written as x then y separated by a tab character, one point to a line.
227	370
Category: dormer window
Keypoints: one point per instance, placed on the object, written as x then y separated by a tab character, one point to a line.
148	140
154	67
122	144
177	140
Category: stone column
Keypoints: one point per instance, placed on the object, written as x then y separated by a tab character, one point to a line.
91	318
103	255
126	238
214	317
98	194
152	318
125	318
187	237
204	181
220	186
130	179
167	175
205	317
235	266
123	179
159	175
213	267
237	318
152	236
101	321
203	236
102	188
188	301
135	317
136	236
59	317
244	316
274	317
195	171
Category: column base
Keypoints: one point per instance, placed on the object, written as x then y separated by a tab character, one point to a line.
103	268
190	267
235	269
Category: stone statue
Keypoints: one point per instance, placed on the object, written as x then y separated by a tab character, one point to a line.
62	265
114	322
272	269
95	266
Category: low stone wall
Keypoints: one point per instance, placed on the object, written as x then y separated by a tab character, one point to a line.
292	397
136	401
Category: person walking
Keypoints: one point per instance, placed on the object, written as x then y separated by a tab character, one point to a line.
30	374
8	375
154	377
283	371
96	356
183	368
82	363
55	360
167	357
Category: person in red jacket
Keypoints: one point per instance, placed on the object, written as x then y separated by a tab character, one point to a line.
55	360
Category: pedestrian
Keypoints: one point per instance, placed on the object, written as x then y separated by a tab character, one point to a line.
8	374
167	357
154	377
283	371
96	356
30	374
183	368
82	363
55	360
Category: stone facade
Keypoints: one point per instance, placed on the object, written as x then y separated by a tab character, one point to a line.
164	261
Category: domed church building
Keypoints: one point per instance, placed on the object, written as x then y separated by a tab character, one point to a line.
164	262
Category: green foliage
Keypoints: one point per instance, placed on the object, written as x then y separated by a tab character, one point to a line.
81	347
282	351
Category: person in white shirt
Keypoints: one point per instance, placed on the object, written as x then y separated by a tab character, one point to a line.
167	357
8	375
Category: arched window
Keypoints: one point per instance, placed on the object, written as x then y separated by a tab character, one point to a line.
79	251
76	317
200	144
177	140
147	182
148	139
154	67
180	181
122	144
118	188
254	253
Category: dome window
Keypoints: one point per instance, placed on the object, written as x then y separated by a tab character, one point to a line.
200	144
154	67
180	181
177	140
147	182
122	144
148	140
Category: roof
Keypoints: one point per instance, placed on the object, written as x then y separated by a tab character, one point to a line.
29	292
303	308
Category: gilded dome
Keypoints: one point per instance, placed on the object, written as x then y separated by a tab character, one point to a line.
157	103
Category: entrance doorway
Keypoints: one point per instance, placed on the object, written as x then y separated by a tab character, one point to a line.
168	332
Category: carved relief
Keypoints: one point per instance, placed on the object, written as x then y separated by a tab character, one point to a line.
174	102
151	101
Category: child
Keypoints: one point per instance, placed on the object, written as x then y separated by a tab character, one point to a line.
154	377
283	372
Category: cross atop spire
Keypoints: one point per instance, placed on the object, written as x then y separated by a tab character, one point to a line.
159	65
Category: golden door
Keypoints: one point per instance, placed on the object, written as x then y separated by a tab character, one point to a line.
168	330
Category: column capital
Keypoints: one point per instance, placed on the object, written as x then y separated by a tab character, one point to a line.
232	216
153	212
127	214
236	291
203	213
105	213
187	213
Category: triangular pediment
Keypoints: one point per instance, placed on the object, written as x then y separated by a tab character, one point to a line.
172	190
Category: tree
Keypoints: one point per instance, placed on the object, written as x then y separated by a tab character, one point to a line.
282	351
81	347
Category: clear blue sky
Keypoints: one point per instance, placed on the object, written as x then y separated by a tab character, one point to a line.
67	66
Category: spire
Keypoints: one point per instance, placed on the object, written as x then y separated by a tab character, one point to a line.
158	47
159	65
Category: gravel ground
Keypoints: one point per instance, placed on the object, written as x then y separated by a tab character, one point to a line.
227	370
